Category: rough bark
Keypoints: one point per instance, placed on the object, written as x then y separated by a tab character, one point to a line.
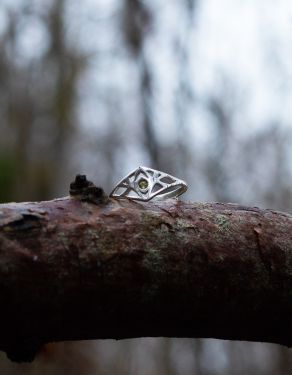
81	268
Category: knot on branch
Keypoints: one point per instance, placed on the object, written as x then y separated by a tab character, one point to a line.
86	191
24	350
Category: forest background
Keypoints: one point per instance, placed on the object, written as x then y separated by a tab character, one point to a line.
199	89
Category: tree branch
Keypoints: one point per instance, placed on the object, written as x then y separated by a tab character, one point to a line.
86	267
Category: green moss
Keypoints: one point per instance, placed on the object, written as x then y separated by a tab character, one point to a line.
288	260
221	258
151	218
155	266
154	262
222	222
184	224
64	239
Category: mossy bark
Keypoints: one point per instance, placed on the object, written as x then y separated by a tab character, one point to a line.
75	270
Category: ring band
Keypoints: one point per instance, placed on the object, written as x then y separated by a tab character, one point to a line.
145	184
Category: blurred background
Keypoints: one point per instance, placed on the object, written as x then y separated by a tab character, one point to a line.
201	89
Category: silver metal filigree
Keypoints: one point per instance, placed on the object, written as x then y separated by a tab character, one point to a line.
145	184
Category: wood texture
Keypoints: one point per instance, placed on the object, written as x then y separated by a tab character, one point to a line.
71	269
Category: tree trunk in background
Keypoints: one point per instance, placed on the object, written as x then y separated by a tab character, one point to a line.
136	22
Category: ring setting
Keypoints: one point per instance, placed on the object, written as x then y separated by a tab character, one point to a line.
145	184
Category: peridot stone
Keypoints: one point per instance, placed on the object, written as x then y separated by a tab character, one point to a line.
143	184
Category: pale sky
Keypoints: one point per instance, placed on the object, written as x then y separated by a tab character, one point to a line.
251	42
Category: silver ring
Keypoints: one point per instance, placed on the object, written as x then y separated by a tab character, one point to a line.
144	184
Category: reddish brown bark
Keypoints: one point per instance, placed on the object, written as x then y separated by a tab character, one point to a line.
73	269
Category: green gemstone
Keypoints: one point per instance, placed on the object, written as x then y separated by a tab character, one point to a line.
143	184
